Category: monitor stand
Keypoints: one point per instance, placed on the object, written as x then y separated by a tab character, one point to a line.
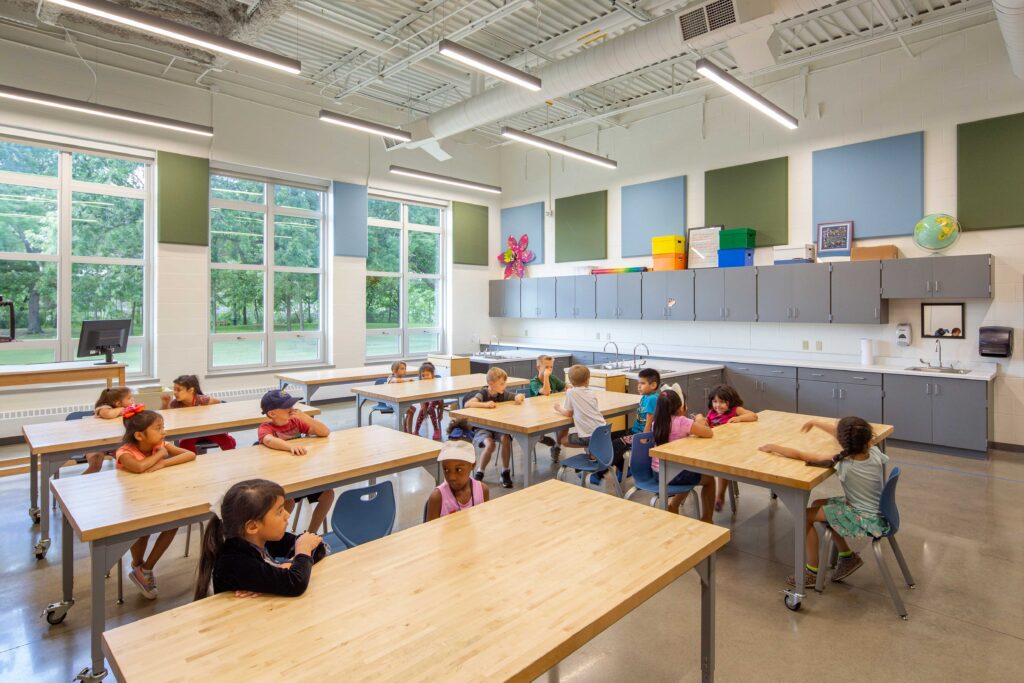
108	351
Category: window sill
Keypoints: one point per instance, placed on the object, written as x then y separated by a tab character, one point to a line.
215	374
132	381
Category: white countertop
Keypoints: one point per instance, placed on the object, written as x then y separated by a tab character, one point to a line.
505	356
664	360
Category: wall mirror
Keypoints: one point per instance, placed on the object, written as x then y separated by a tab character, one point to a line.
942	321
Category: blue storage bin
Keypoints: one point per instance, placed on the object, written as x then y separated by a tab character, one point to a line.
788	261
735	258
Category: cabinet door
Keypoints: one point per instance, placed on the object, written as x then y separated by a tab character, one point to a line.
749	388
629	295
496	298
523	369
774	294
740	294
565	297
679	294
856	293
862	400
817	398
811	284
960	413
778	393
586	303
512	300
907	406
607	297
962	277
709	293
528	298
909	278
654	295
546	297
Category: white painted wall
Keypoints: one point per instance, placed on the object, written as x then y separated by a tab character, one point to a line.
963	77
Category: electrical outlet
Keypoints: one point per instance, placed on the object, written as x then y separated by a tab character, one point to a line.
817	346
597	336
806	345
608	336
526	333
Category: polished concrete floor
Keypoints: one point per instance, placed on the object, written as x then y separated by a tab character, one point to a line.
962	534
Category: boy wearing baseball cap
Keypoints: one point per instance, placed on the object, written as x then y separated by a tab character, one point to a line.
285	424
459	490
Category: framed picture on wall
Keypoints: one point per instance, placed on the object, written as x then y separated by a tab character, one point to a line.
702	247
835	239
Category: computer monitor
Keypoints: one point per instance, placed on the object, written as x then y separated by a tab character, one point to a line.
104	337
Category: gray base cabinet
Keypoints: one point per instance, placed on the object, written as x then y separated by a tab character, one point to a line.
797	293
726	294
940	411
857	293
945	277
698	390
618	296
667	295
857	394
764	387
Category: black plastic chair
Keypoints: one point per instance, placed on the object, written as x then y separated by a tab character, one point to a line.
381	407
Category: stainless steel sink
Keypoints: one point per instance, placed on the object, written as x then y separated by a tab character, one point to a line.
942	371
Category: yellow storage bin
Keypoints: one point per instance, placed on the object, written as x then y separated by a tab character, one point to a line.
668	244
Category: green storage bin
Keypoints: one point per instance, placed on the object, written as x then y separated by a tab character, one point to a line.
737	238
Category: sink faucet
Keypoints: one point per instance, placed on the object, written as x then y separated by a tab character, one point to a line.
644	362
605	349
938	350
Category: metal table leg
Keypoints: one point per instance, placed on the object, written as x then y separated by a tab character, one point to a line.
400	409
33	488
526	443
706	571
55	612
795	501
50	465
359	410
282	384
663	472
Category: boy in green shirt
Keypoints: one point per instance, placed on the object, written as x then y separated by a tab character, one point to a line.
544	384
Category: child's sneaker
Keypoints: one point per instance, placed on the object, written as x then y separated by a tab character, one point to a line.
555	452
506	479
144	581
478	475
810	579
847	566
547	441
597	479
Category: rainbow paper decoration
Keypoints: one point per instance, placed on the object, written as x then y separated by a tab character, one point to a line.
609	271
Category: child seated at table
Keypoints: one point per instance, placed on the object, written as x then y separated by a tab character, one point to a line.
489	397
580	404
671	424
143	450
286	424
109	406
459	490
246	548
726	407
546	383
432	409
186	393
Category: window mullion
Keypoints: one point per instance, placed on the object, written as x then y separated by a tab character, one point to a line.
64	281
268	278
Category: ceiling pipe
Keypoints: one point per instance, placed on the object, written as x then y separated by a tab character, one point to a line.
1010	15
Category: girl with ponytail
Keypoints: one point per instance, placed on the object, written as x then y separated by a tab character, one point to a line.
671	423
860	466
247	550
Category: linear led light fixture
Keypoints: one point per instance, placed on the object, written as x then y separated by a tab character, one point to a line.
745	93
488	65
557	147
365	126
447	180
102	110
186	34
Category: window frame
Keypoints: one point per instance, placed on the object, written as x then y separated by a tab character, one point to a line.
405	330
270	337
65	344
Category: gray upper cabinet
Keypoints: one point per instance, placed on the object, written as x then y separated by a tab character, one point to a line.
726	294
630	286
546	287
948	277
503	298
565	298
529	307
667	295
607	293
513	304
774	292
793	293
618	296
709	293
857	293
575	297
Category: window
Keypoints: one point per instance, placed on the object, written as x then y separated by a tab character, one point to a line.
74	244
266	274
404	279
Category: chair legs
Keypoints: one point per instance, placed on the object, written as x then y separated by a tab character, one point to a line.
897	601
295	514
902	562
827	554
825	547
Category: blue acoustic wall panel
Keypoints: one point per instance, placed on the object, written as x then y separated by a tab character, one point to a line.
528	220
652	209
879	185
349	219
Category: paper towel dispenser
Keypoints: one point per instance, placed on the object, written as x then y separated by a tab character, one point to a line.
996	342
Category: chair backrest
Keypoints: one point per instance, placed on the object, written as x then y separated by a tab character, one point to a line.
601	445
364	514
640	460
380	380
78	415
888	503
381	405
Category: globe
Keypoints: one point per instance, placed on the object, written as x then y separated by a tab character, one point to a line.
936	231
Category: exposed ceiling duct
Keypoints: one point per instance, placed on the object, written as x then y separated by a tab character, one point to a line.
1010	15
699	28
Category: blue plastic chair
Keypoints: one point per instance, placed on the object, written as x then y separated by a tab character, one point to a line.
362	515
381	407
892	515
603	454
644	477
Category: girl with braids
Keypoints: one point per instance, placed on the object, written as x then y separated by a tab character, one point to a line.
143	451
860	468
247	550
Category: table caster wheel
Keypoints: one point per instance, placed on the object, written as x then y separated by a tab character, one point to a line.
88	676
41	548
56	612
792	602
904	617
33	513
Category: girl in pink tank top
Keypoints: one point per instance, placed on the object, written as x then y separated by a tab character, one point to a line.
725	406
459	489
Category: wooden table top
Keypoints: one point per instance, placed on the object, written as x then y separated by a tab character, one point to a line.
423	390
339	375
114	501
733	449
50	437
66	366
537	414
421	604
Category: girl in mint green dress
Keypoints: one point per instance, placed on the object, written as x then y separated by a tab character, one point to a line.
860	467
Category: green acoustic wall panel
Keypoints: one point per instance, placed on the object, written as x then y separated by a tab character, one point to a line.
990	173
182	199
469	233
750	196
581	227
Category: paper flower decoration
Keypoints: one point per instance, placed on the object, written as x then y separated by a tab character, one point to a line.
516	256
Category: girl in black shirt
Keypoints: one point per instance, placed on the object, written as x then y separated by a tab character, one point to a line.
244	544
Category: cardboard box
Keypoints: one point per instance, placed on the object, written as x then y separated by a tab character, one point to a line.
790	252
737	238
735	258
669	262
668	244
883	252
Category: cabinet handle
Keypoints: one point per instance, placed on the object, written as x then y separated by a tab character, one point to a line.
936	289
927	388
777	372
833	392
937	392
927	285
726	311
876	312
796	311
856	377
840	393
817	374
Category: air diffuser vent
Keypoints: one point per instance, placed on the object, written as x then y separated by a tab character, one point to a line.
708	18
720	14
